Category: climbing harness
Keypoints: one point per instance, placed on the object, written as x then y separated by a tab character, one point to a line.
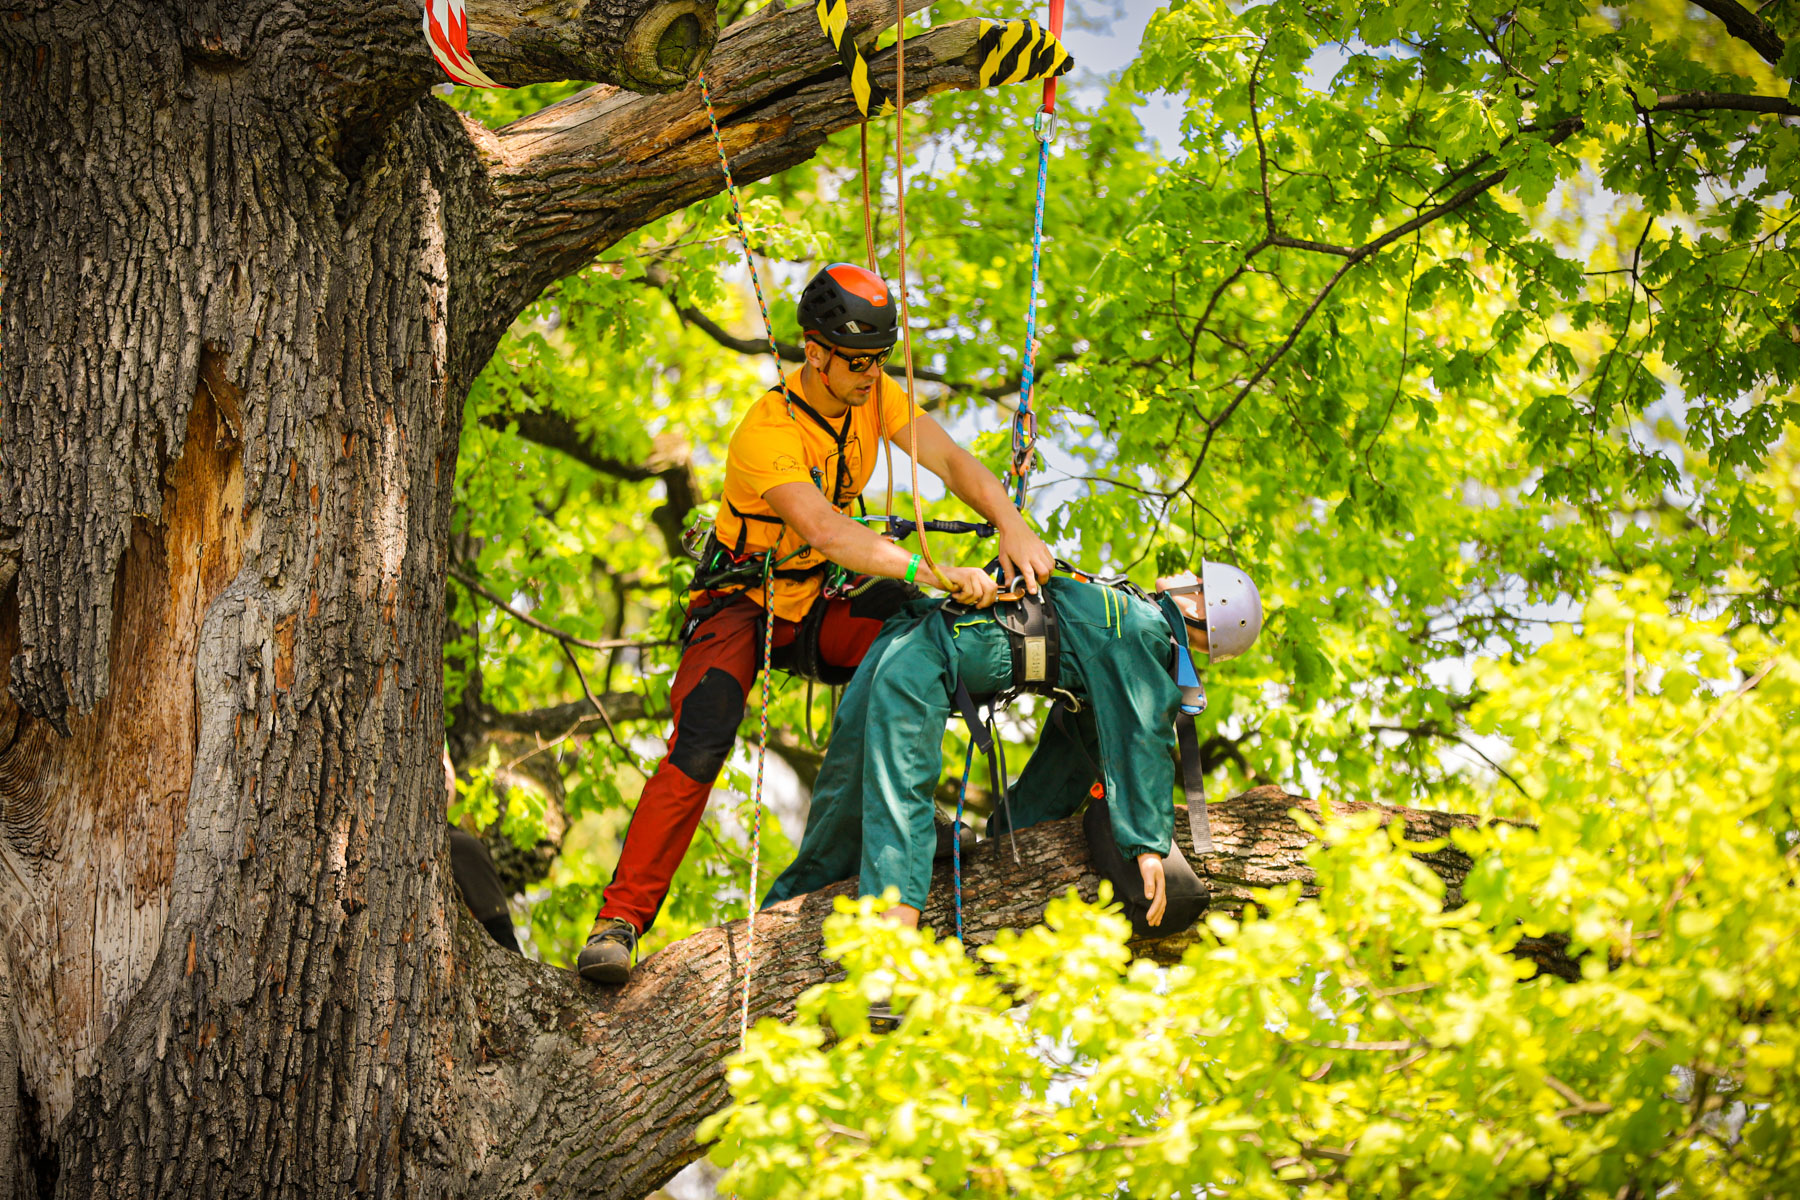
446	24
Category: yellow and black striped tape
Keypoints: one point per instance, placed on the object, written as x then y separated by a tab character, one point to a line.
871	98
1010	52
1017	51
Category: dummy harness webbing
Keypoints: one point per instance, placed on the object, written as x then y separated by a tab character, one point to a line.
981	737
1193	703
1193	783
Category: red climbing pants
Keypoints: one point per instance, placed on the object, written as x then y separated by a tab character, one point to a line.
720	656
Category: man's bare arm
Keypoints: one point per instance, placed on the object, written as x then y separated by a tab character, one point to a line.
1021	551
858	548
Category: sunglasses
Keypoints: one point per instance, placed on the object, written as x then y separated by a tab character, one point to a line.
857	363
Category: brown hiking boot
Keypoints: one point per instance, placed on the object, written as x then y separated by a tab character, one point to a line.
607	956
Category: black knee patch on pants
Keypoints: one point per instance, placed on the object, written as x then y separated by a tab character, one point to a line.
708	726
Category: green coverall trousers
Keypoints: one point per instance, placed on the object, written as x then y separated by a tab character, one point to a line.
872	808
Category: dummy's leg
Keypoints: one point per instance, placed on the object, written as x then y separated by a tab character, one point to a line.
909	704
1057	777
833	840
832	844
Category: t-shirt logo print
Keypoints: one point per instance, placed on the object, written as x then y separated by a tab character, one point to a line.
785	462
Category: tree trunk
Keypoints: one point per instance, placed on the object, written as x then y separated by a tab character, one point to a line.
250	269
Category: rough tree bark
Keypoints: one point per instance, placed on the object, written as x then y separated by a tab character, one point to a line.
250	267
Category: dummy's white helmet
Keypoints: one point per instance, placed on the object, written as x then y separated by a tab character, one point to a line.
1234	612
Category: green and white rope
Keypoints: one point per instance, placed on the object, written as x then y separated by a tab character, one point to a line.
762	754
762	749
737	221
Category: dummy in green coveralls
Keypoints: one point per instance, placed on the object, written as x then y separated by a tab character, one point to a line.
873	799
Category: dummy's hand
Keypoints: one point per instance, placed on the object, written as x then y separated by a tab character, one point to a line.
1023	552
1154	891
968	585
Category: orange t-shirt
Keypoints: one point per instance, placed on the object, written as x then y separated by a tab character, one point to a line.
835	454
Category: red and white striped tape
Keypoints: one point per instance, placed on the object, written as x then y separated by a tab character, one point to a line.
447	29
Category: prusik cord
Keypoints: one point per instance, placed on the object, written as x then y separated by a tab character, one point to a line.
912	406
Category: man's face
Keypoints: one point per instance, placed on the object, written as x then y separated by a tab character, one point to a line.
1192	606
834	366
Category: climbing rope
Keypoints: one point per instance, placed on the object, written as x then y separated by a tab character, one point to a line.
887	443
912	405
762	746
1024	440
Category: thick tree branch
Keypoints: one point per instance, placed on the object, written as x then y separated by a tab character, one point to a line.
577	716
577	176
671	460
655	276
1726	102
1747	27
639	1066
640	45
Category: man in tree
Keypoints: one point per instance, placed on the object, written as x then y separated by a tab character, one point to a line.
798	461
1123	664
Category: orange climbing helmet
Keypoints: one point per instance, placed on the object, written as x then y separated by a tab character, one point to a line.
849	306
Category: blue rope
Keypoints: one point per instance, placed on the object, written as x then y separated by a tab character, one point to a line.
956	836
1022	420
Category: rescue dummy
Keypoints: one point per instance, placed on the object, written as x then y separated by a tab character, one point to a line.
1120	689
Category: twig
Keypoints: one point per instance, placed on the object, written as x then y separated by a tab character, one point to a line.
561	635
1429	729
1577	1105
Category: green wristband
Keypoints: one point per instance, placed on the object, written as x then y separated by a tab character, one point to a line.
912	568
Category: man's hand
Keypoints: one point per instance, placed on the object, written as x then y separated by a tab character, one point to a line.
968	585
1022	552
1150	866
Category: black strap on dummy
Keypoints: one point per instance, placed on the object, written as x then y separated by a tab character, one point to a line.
1186	893
1193	782
1193	702
982	734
